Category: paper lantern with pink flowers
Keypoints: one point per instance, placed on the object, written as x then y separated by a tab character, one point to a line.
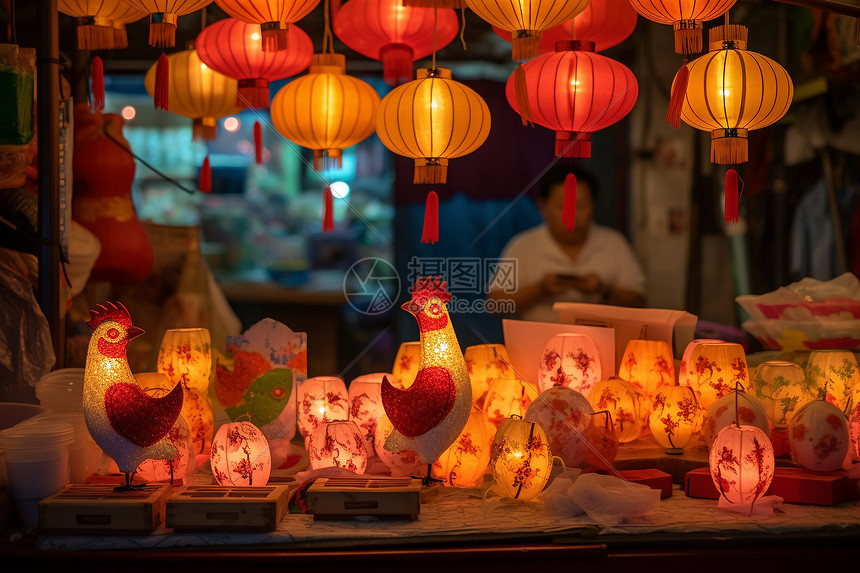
564	414
507	397
687	370
365	405
569	360
158	385
737	407
717	368
647	365
240	455
464	462
818	437
520	459
675	418
338	444
742	464
486	362
321	399
405	367
628	408
402	463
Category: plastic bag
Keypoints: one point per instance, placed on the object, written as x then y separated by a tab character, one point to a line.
609	500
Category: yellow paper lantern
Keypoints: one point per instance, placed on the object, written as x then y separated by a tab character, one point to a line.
325	110
240	455
818	437
163	16
406	363
647	365
569	360
628	408
686	17
736	407
465	461
432	119
526	19
338	444
157	385
521	459
719	367
742	464
834	375
687	368
486	363
321	399
273	16
675	418
731	91
365	405
782	389
507	397
96	21
197	92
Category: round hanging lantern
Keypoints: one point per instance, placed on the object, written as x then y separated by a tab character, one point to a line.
731	91
686	17
687	368
240	455
507	397
325	110
405	367
602	440
718	368
574	92
232	47
338	444
197	92
564	414
675	418
394	33
628	408
486	363
569	360
273	16
402	463
521	459
782	389
607	23
163	16
465	461
648	365
433	119
833	375
741	462
365	405
321	399
736	407
526	20
818	437
95	21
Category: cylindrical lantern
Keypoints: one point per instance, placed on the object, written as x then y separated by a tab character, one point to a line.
325	110
526	20
95	21
602	441
648	365
687	369
338	444
465	461
628	408
574	92
365	405
507	397
402	463
394	33
742	463
157	385
675	418
521	459
196	91
718	367
564	414
405	367
782	389
185	356
240	455
273	16
232	47
833	375
569	360
433	119
321	399
163	17
736	407
731	90
686	17
486	363
818	437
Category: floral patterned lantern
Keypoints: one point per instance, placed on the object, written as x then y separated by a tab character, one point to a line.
486	363
818	436
365	405
338	444
465	461
687	369
273	16
564	414
507	397
854	432
402	463
157	385
742	464
628	408
406	363
782	389
321	399
521	459
647	365
834	375
675	418
240	455
569	360
686	17
736	407
602	440
719	367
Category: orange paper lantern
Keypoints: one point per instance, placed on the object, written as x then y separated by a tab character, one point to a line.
521	459
687	369
686	17
647	365
465	461
405	367
163	17
818	437
273	16
486	363
569	360
719	367
564	414
321	399
628	408
507	397
338	444
96	21
675	418
240	455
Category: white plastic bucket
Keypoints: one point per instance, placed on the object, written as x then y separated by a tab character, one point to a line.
62	390
85	456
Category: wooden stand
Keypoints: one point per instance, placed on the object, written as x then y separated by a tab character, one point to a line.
216	508
97	509
343	498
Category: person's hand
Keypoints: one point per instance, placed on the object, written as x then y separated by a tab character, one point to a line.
589	283
555	284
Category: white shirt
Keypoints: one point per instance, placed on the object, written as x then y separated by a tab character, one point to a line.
605	253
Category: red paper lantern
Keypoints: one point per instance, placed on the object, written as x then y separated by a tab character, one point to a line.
273	16
574	92
233	48
397	35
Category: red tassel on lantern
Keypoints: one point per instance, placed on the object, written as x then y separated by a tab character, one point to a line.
258	141
205	182
430	233
328	211
162	82
98	78
568	212
731	205
679	91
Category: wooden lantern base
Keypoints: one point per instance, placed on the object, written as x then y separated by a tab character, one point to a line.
87	509
343	498
216	508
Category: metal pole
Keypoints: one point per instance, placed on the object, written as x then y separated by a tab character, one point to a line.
47	117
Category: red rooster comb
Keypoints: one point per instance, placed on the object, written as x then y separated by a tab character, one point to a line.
117	313
425	289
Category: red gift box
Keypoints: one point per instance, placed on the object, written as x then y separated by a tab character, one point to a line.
655	479
794	485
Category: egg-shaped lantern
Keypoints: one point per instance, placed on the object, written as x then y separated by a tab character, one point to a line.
338	444
507	397
675	418
782	389
486	363
240	455
564	415
321	399
818	436
717	368
569	360
628	408
834	376
521	459
365	405
464	462
648	365
736	407
742	463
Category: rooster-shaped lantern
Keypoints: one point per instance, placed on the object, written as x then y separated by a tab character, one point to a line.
430	414
125	422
